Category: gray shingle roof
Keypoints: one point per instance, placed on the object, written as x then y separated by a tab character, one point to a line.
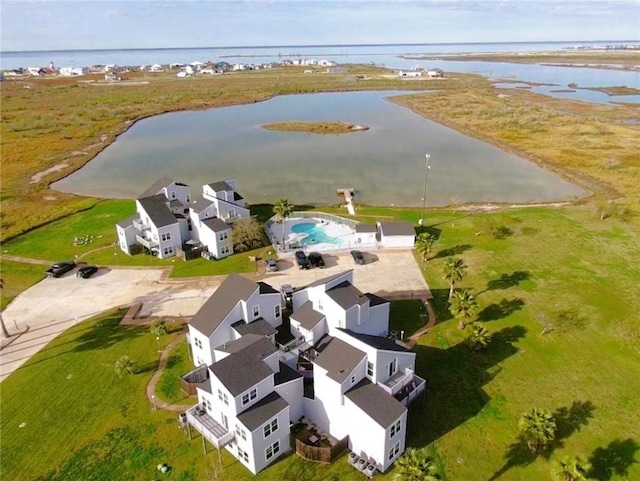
128	221
375	300
262	411
198	204
286	374
339	359
307	316
157	210
326	280
220	186
234	289
244	369
259	327
346	295
383	408
397	228
376	342
216	225
239	344
156	187
266	288
362	228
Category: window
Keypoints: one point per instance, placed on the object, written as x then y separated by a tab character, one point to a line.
198	343
249	396
393	367
231	213
369	369
393	452
243	455
166	236
277	311
223	236
225	250
395	429
320	306
256	311
207	404
274	449
353	379
173	194
168	250
187	198
241	433
223	397
270	427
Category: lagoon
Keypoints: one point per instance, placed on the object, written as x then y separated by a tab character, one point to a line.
385	164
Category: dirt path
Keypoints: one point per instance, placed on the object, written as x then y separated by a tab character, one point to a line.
151	387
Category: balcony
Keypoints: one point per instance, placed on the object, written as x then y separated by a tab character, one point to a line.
148	243
138	225
211	430
291	345
399	380
411	391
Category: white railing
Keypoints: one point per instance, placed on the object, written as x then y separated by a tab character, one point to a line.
211	430
138	225
149	244
417	387
399	380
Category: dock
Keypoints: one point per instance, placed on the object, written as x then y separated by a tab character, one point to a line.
348	193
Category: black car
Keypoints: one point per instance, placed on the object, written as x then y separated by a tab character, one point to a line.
86	271
316	260
59	268
301	259
358	257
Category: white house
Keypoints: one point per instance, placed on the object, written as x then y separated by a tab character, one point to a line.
71	71
396	234
167	219
156	68
340	370
366	234
435	73
410	73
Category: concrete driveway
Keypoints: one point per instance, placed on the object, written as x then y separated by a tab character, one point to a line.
54	305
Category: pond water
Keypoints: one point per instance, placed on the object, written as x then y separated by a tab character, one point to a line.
385	164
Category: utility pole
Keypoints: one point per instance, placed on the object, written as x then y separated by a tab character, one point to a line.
424	194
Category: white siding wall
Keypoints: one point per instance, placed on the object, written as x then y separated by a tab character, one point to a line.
397	241
259	444
320	329
268	303
202	355
384	358
126	237
292	393
369	439
173	231
390	442
365	239
208	238
230	409
182	193
264	388
185	234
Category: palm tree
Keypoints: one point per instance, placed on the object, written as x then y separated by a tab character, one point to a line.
424	244
572	469
282	209
159	327
453	271
5	332
416	465
479	337
125	365
463	306
537	429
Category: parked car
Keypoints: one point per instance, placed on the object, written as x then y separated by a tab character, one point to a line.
287	295
316	260
86	271
301	259
271	265
358	257
59	268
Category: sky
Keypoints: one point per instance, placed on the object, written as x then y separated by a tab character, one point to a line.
107	24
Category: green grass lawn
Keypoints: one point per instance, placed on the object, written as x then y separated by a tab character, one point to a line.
18	277
55	241
533	269
407	316
168	387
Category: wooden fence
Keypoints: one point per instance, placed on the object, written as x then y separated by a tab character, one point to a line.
322	454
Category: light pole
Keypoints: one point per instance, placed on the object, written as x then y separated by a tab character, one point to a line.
424	194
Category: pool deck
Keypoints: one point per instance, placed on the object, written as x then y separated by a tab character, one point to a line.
344	233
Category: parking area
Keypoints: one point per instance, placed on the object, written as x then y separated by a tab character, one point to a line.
392	274
53	305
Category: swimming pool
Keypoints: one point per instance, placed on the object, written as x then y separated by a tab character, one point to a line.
315	234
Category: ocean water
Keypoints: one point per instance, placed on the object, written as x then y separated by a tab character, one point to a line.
391	56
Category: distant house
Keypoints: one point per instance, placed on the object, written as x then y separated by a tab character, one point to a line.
156	68
435	73
71	71
396	234
169	220
326	63
410	73
341	370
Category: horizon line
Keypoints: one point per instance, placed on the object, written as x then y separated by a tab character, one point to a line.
393	44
